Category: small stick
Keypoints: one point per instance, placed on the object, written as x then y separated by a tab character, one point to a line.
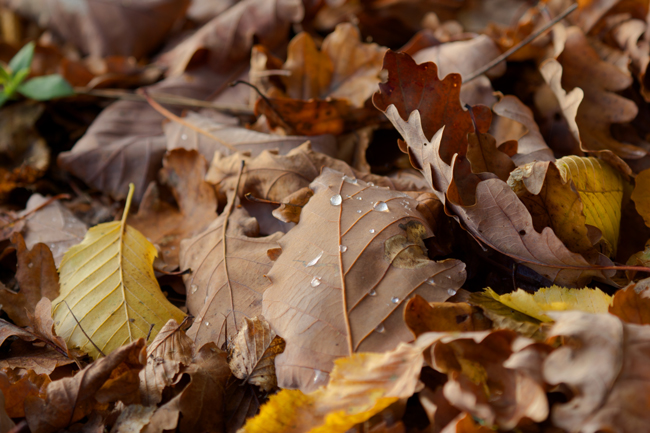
46	203
263	96
82	330
526	41
151	329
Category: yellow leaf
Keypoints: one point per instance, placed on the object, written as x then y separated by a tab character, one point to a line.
108	283
641	195
600	188
360	386
554	298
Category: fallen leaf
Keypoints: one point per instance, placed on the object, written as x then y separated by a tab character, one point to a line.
253	355
242	402
229	264
16	385
70	399
361	386
554	299
133	418
37	278
6	423
602	365
641	195
485	157
169	353
335	291
488	209
54	225
421	317
42	360
504	317
116	282
166	225
591	105
632	304
629	36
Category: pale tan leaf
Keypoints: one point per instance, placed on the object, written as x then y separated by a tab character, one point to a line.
108	284
254	350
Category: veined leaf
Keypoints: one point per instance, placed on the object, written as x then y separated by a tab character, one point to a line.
108	283
554	298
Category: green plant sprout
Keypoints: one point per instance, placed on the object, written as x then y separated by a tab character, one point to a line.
12	79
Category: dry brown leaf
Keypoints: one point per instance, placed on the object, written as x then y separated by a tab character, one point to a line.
485	157
591	106
54	225
169	353
228	37
17	384
70	399
133	418
493	375
242	139
242	402
228	263
253	355
630	37
338	290
504	317
6	423
37	278
166	225
488	209
632	304
421	317
604	367
42	360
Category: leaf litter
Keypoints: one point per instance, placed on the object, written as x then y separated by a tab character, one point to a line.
374	229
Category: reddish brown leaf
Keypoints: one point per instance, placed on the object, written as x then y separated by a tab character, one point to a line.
421	316
16	385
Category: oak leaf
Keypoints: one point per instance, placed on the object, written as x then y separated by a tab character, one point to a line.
604	368
70	399
418	104
253	354
108	286
339	289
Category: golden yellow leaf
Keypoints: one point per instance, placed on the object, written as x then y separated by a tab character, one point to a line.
108	283
360	386
554	298
600	188
641	195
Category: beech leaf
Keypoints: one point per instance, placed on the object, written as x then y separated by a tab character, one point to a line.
108	284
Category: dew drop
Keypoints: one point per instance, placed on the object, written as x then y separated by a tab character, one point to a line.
194	288
380	328
207	323
336	200
351	180
320	378
314	260
184	137
394	300
449	277
431	281
359	198
371	184
380	206
315	282
451	292
371	230
373	292
343	248
30	265
359	211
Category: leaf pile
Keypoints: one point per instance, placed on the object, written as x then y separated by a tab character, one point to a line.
329	216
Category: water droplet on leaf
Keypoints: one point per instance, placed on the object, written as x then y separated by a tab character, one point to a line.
380	328
373	292
314	260
380	206
351	180
371	230
343	248
315	282
336	200
194	288
451	292
394	300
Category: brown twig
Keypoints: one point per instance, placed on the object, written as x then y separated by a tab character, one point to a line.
164	98
263	96
526	41
46	203
82	330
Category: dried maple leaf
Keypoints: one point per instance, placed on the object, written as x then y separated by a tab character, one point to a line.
338	290
228	263
169	353
591	105
418	103
54	225
167	225
603	365
253	354
70	399
421	317
37	278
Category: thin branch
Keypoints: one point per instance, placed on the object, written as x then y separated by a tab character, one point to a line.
46	203
263	96
526	41
164	98
82	330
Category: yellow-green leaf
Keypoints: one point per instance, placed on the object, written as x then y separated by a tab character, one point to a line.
554	298
108	283
600	188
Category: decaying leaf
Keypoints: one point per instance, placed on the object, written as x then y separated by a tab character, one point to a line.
554	299
339	289
504	317
604	367
421	317
108	285
17	384
37	278
632	304
641	195
360	386
70	399
169	352
6	423
253	355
